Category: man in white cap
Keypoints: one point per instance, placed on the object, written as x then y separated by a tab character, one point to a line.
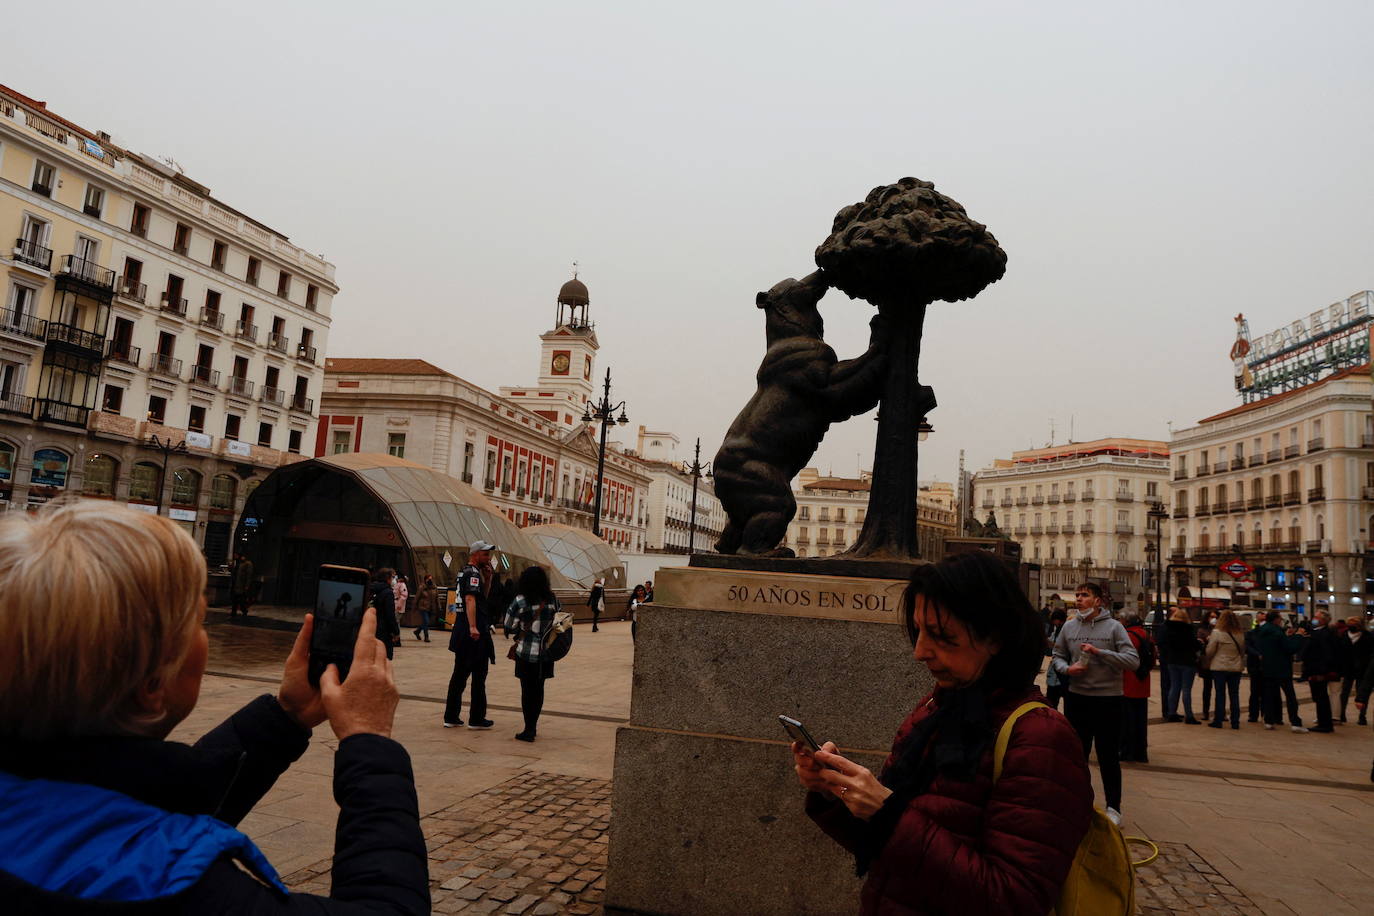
470	641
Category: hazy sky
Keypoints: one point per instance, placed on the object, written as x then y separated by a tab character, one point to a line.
1150	172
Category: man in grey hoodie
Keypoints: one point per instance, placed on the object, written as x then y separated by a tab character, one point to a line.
1091	652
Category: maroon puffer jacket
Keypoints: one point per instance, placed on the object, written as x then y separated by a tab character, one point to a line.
972	848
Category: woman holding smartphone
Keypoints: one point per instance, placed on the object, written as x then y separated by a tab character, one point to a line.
934	832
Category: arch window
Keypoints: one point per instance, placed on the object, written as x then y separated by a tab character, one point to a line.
1275	485
1294	482
101	473
144	481
6	463
222	489
185	487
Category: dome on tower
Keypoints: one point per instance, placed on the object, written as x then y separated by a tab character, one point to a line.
574	292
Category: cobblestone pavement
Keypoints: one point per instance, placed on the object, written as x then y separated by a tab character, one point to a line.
1179	881
535	844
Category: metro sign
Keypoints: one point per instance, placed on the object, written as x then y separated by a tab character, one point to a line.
1238	569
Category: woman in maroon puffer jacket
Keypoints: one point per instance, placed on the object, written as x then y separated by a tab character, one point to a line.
934	834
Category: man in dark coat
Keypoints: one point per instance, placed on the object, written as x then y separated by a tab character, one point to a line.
470	642
1320	666
1359	650
597	602
1276	648
240	585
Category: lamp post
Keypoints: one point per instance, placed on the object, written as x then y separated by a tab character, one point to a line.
167	449
1157	514
602	411
696	470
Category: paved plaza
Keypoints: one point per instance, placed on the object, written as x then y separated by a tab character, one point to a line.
1248	821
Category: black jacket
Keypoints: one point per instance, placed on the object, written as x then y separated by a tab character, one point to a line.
1359	654
380	863
1322	657
1180	639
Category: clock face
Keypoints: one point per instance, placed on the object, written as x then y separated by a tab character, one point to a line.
560	363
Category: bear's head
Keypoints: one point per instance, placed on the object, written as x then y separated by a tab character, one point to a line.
790	308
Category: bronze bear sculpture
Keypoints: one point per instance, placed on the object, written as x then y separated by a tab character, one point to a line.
802	389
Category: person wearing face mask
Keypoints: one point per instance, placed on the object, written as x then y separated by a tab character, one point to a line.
937	831
1093	650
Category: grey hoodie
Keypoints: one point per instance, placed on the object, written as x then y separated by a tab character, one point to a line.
1115	654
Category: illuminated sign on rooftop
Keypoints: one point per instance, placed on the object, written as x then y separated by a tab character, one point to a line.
1304	351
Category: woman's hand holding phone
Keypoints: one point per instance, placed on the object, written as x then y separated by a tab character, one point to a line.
298	698
364	704
855	786
809	768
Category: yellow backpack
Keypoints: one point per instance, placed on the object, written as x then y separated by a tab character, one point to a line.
1101	881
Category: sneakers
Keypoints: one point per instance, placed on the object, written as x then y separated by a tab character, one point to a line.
1268	726
458	724
525	736
1299	730
1192	721
481	723
1114	816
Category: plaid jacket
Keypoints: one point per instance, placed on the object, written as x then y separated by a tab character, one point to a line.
532	621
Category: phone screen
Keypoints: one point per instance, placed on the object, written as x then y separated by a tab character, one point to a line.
340	599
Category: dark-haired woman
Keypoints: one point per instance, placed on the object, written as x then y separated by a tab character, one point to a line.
935	833
1056	684
527	619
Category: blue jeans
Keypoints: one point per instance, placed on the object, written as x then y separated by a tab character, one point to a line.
424	624
1180	684
1227	683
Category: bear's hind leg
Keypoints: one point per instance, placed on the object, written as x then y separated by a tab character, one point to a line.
730	538
768	525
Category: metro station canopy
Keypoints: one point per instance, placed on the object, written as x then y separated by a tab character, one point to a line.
578	554
372	510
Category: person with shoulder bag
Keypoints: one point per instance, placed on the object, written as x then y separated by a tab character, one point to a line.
529	619
1225	657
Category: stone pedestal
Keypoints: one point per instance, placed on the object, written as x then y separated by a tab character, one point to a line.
706	809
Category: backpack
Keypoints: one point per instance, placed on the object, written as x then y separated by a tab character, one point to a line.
1149	655
1101	881
558	635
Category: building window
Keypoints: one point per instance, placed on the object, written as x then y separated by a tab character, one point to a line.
312	296
196	422
181	241
293	442
157	409
222	489
396	445
144	482
805	512
341	442
467	463
113	399
254	268
101	471
284	284
265	435
185	487
43	175
231	426
219	253
94	204
139	224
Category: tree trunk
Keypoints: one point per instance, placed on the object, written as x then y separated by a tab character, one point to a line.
889	531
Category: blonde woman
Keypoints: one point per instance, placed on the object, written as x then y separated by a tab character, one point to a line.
1225	655
102	651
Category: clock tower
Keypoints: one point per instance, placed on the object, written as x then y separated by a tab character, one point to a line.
567	357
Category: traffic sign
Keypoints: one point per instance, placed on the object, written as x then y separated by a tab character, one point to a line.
1238	569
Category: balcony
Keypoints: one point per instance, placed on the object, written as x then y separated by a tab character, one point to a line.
489	484
1006	502
276	396
240	386
246	330
1052	499
1313	547
61	412
505	489
1237	505
1316	494
276	342
466	475
1273	501
88	272
1125	528
1254	502
1203	510
165	364
16	404
1219	467
1291	451
1125	496
1315	445
1087	496
305	352
211	318
174	304
1254	461
302	403
32	254
987	504
23	325
1367	493
1037	500
1180	474
1180	512
1178	553
803	539
1202	471
1292	499
119	351
75	337
519	492
1052	528
1237	464
131	289
1273	455
1071	497
204	376
1022	501
1367	440
1037	529
1220	508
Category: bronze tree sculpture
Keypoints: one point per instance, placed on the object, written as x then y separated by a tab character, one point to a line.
904	246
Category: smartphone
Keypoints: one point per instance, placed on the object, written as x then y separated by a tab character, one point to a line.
340	599
799	733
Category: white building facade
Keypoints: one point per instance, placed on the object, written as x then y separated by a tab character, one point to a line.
831	513
137	305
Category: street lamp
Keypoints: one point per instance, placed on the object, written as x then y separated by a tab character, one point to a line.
602	411
1157	514
696	470
167	449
